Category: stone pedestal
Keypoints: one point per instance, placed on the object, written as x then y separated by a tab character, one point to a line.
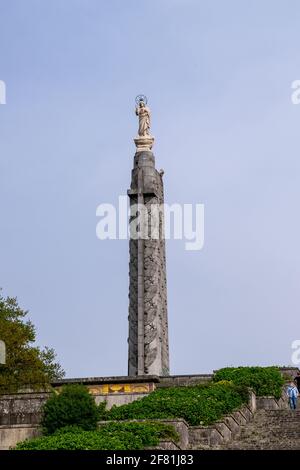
144	143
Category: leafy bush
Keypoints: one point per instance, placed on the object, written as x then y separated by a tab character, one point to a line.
263	380
111	436
72	406
200	404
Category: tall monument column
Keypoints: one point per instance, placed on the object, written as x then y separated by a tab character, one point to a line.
148	346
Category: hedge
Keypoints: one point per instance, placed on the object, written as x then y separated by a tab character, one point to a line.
199	404
263	380
111	436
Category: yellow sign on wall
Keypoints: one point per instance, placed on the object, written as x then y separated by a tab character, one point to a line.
107	389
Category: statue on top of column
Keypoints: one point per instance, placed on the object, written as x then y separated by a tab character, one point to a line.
143	112
144	140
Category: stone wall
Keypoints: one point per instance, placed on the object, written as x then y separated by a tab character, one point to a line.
271	403
11	435
223	430
183	380
21	408
21	413
115	390
289	372
20	417
25	408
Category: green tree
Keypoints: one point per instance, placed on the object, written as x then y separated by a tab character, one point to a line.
27	366
72	406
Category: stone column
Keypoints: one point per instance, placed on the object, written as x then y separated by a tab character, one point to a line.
148	349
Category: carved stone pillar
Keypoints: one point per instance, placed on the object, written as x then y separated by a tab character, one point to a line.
148	318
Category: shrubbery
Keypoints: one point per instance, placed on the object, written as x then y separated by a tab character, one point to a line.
72	406
111	436
263	380
200	404
70	417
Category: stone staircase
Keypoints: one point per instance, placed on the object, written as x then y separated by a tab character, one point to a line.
269	430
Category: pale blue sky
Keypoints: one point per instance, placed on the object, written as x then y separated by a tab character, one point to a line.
218	77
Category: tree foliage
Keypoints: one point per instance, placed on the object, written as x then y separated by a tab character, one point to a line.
72	406
27	366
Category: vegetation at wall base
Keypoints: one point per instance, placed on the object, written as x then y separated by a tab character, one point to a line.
263	380
199	404
111	436
71	416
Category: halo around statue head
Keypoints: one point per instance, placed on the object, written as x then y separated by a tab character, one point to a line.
141	99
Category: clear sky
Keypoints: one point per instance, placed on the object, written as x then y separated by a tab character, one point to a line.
218	77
